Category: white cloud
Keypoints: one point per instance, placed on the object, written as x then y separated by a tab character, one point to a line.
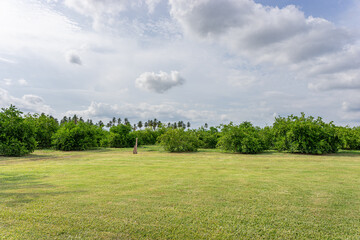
5	60
351	109
27	103
272	37
264	34
95	8
159	82
143	111
337	81
9	82
99	10
22	82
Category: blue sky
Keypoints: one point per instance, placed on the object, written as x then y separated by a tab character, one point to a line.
200	61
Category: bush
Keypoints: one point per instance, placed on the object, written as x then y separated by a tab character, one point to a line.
349	137
244	138
148	136
305	135
17	135
267	135
208	138
179	140
45	128
78	136
120	136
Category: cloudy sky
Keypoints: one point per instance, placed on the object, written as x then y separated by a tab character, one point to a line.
201	61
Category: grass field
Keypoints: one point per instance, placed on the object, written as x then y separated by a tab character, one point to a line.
113	194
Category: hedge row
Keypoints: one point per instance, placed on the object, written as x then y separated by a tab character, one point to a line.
20	135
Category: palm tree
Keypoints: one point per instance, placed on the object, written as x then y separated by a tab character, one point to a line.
140	125
75	119
100	124
64	120
155	123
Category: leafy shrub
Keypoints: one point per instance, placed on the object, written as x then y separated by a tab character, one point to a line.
267	135
179	140
147	136
349	137
120	136
244	138
305	135
45	128
208	138
78	136
17	135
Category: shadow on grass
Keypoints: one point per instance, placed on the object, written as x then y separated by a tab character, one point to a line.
18	189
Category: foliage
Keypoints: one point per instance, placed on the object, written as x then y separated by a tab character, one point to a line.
17	135
120	136
244	138
267	135
147	136
45	127
77	136
305	135
349	137
208	138
179	140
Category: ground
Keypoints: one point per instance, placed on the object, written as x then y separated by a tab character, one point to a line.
114	194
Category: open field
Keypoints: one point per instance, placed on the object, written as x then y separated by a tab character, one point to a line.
113	194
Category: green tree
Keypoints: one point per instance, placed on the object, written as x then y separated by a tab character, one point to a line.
77	137
17	135
349	137
208	138
45	128
179	140
244	138
305	135
120	136
140	124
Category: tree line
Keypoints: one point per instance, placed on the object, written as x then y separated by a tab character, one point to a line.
21	134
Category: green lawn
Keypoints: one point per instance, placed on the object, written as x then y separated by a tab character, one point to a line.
113	194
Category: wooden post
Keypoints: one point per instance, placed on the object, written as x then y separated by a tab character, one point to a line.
135	147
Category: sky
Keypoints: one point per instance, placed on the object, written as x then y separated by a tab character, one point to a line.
202	61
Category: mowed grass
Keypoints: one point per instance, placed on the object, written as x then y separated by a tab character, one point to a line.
113	194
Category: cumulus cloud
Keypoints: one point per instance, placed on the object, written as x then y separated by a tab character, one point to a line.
9	82
351	109
73	58
272	36
22	82
338	81
27	103
263	33
164	111
159	82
